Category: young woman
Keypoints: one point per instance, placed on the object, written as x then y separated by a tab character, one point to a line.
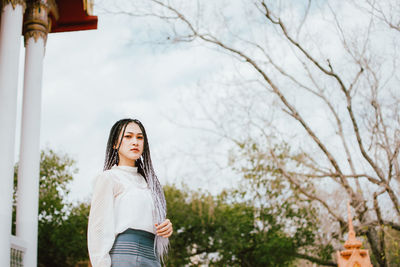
127	221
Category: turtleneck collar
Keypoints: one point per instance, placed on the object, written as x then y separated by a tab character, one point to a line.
126	168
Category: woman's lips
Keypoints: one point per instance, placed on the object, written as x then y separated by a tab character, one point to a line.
135	150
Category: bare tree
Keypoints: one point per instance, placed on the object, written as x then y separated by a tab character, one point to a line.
331	68
387	12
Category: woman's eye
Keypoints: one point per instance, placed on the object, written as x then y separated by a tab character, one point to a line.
140	137
127	136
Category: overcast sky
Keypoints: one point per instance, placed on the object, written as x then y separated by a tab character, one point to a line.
93	78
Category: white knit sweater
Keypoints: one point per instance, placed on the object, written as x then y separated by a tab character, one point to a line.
121	200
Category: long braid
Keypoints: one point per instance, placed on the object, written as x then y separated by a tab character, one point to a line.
145	168
111	152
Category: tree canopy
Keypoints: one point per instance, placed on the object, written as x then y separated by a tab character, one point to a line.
226	230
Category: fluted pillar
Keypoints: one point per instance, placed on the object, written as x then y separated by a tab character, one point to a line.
10	39
36	27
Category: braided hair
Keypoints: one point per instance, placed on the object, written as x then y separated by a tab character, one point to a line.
145	168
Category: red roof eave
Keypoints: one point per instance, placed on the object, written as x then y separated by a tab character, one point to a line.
72	17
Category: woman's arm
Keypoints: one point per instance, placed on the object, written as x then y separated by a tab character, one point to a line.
101	234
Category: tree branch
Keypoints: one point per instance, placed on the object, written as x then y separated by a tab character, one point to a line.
304	192
331	73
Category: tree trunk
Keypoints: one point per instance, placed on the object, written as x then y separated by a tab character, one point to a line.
374	241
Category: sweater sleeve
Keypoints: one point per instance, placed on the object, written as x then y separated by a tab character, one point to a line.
101	234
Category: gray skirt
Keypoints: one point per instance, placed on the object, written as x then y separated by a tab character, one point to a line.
134	248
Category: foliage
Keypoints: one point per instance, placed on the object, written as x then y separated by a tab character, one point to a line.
64	244
393	246
279	202
226	230
62	226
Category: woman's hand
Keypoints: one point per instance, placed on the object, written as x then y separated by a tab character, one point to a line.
164	229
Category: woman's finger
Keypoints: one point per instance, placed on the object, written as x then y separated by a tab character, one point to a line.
163	224
164	229
168	233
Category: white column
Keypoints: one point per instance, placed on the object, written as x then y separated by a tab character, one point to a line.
35	32
29	163
10	39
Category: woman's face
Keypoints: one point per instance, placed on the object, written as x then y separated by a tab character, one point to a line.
132	145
